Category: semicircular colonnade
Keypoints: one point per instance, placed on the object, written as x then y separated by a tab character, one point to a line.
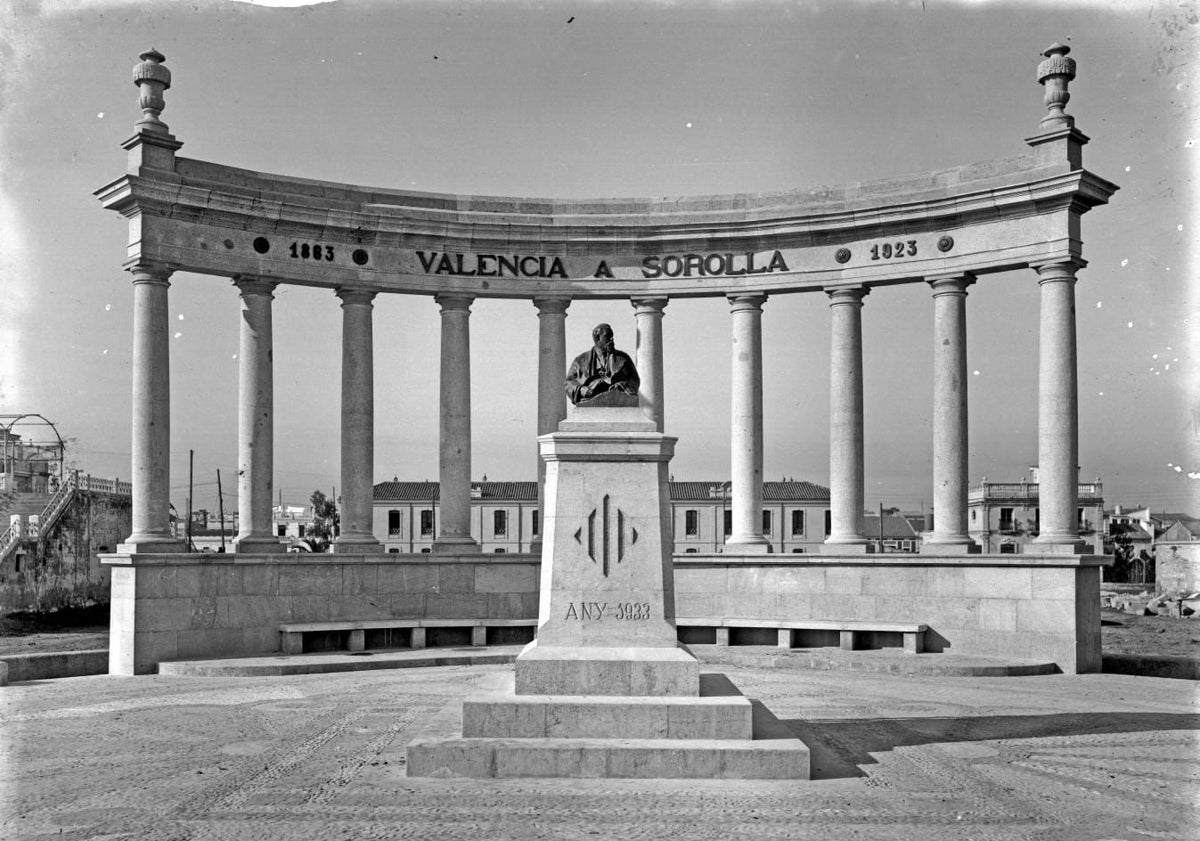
945	228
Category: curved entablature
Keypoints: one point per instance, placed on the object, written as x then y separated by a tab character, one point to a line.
986	217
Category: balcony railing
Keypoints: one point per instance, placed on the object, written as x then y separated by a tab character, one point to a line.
1028	490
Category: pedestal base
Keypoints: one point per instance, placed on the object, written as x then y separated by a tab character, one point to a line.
629	671
716	735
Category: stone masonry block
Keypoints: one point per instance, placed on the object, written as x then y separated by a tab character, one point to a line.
418	638
260	579
229	580
793	606
151	649
154	582
997	615
406	606
693	605
944	581
456	606
691	579
192	581
900	609
456	578
505	578
209	643
841	580
152	615
357	640
323	580
1046	615
507	606
260	640
832	606
479	635
248	611
360	579
309	609
722	636
408	578
997	583
894	581
1053	583
361	606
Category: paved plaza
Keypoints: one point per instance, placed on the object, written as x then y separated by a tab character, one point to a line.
1093	756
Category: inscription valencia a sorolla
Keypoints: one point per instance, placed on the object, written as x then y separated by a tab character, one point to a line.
726	264
599	611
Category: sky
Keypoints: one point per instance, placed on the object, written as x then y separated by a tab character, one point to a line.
605	99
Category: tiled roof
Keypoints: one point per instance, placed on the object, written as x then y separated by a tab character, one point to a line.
527	491
895	527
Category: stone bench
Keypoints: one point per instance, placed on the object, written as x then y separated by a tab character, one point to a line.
291	634
849	632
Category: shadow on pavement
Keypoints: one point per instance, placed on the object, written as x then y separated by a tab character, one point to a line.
839	748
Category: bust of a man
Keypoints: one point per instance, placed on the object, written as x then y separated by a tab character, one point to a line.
602	369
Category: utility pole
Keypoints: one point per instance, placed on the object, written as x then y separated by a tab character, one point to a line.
188	527
881	527
221	508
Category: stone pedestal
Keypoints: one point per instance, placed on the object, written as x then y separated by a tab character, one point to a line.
606	689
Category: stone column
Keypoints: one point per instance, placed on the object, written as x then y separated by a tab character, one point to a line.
847	493
256	437
747	427
649	356
358	424
950	416
1058	412
151	457
454	447
552	399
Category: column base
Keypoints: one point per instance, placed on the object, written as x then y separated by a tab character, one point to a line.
139	544
847	547
747	546
455	546
257	544
954	545
357	544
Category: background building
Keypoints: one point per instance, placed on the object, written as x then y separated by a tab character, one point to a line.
504	516
1004	516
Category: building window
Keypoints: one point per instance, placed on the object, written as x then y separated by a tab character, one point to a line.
828	522
393	523
500	523
1008	548
426	522
499	551
797	523
691	551
1006	519
766	522
281	530
728	522
691	522
1037	520
536	522
300	530
973	513
393	551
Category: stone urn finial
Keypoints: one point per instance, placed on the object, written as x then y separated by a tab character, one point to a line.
1055	73
153	78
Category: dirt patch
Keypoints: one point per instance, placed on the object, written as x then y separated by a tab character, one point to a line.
1124	633
74	629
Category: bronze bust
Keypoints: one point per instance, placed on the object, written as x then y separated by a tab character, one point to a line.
601	370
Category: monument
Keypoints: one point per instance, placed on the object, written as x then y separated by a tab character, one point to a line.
606	689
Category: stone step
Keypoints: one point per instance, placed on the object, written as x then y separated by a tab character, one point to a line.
772	752
720	712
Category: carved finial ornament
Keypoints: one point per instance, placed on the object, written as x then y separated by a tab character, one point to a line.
1055	73
152	78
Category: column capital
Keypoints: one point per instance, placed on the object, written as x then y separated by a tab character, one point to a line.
251	285
1059	269
955	283
356	296
846	294
743	302
454	301
551	306
150	273
649	304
